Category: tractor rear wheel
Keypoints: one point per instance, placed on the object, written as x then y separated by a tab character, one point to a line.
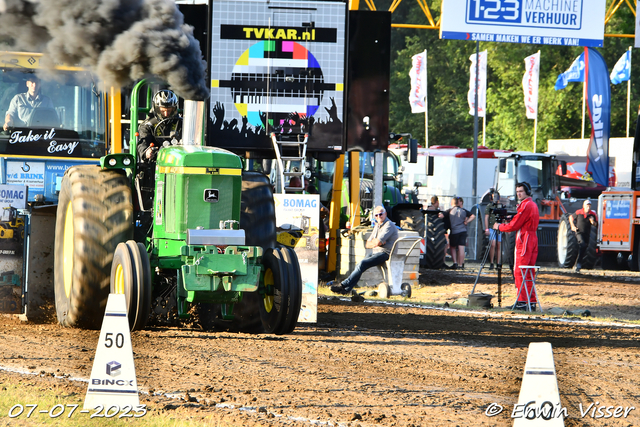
295	290
274	304
436	243
258	220
568	247
590	258
411	220
131	276
95	213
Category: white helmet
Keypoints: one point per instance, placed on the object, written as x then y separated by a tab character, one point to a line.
165	98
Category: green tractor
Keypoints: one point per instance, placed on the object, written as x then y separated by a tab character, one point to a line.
195	231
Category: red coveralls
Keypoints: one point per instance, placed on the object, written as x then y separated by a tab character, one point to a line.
526	223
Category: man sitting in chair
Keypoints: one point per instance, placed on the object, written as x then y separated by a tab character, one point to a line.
23	104
383	236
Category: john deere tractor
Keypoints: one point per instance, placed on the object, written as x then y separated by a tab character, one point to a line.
194	230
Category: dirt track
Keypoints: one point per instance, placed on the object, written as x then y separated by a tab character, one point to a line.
374	364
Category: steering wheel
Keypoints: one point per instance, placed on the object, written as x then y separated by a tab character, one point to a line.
165	126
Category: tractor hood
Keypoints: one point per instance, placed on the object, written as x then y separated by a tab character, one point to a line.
197	156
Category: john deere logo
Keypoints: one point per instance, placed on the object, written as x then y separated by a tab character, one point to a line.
211	195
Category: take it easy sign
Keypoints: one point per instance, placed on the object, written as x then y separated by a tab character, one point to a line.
548	22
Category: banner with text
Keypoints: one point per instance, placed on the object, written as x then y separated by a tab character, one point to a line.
418	74
599	105
481	84
530	84
562	23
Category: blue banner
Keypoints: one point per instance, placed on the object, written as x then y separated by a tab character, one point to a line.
599	104
622	70
575	73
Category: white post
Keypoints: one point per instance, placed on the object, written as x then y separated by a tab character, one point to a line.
426	103
535	133
484	128
628	94
584	95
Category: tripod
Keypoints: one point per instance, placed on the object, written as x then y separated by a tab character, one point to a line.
498	237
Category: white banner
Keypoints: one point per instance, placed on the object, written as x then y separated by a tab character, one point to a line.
637	39
482	84
530	84
418	74
548	22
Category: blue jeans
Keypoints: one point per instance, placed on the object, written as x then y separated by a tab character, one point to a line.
369	261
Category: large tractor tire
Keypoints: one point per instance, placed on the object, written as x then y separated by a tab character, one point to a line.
590	258
411	220
95	213
435	243
131	276
274	304
568	247
295	290
258	220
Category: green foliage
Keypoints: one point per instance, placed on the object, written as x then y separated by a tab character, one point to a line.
507	127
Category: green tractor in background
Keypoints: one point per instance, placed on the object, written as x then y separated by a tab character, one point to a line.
404	209
195	231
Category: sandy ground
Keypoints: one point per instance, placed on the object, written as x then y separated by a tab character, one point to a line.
371	363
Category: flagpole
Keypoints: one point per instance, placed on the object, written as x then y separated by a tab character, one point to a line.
584	95
426	104
484	127
535	132
628	93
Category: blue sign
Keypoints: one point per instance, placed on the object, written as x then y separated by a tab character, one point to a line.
618	209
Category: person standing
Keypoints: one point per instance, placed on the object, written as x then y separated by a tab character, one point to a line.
459	217
495	237
383	236
525	222
435	204
581	223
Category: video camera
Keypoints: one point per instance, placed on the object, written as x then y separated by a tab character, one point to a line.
502	213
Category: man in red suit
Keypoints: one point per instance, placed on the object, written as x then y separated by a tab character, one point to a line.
525	222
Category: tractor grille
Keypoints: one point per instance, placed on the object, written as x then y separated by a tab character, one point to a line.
187	209
366	194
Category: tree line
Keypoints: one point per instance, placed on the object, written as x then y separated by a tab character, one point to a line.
507	127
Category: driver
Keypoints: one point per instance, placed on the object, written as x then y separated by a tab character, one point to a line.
162	125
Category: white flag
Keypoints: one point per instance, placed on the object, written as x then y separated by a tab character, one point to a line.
482	85
637	38
530	84
418	74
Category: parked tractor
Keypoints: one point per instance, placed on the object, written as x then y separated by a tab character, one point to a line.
194	243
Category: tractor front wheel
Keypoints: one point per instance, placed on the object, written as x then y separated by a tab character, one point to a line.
275	299
295	290
131	276
95	213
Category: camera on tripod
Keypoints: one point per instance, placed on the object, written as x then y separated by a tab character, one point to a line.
502	214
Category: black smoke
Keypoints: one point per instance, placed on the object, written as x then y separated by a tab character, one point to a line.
121	41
